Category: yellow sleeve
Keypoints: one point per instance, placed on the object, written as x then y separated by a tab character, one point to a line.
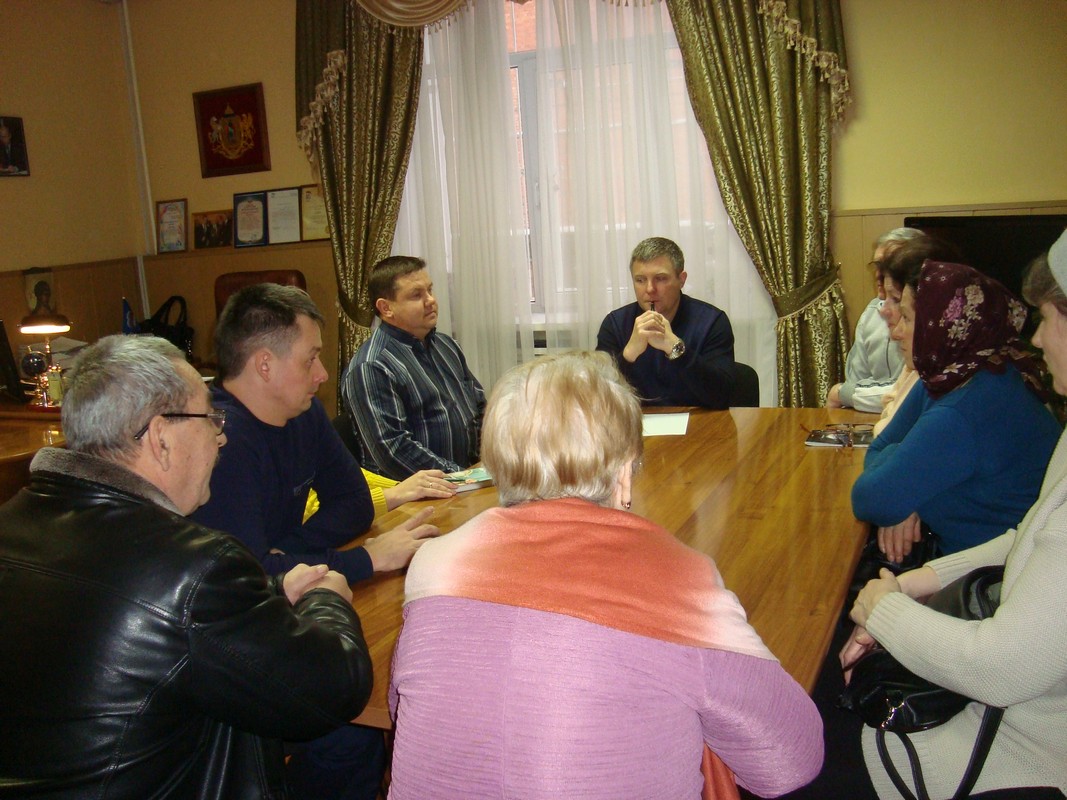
377	484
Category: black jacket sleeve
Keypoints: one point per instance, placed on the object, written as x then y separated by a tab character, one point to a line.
260	664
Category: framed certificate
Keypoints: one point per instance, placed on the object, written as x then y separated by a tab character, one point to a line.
283	215
313	223
172	227
250	219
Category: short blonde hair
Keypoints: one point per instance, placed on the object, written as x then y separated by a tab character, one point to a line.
561	426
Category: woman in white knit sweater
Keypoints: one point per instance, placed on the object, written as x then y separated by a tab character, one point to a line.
1018	658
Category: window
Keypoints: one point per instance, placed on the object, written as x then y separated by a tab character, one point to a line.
529	185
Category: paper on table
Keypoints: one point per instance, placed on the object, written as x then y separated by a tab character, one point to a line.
665	424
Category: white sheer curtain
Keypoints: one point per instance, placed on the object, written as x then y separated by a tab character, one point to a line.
620	158
462	204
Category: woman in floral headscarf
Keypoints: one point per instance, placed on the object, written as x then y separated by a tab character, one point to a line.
965	455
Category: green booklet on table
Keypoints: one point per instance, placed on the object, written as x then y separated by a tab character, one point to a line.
468	479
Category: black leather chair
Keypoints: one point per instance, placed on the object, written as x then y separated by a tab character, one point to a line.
746	386
346	429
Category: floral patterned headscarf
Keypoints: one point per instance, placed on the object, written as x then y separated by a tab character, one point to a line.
965	322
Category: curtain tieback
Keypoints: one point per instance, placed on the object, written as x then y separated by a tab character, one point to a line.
792	304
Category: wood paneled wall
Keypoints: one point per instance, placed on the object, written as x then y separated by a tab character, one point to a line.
193	274
90	295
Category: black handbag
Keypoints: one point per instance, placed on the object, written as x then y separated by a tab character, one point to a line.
891	698
178	333
872	561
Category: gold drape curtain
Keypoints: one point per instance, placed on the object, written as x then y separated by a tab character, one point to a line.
359	79
767	82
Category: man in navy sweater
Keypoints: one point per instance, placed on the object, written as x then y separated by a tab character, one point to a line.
281	445
674	350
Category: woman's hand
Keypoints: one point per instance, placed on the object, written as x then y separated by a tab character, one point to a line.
424	483
870	594
858	643
896	541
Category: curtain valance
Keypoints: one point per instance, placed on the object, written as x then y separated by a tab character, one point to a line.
411	13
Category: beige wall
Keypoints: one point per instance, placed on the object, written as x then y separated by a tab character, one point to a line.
959	107
64	75
82	201
955	101
81	206
195	45
192	46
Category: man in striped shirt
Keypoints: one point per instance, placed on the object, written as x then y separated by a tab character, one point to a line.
408	389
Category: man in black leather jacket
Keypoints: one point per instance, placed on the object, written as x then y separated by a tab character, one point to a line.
142	655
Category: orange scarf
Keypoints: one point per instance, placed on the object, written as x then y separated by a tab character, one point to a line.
608	567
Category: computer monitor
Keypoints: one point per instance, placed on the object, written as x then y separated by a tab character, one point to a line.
11	389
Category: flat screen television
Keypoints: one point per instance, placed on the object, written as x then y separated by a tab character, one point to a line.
11	390
1000	246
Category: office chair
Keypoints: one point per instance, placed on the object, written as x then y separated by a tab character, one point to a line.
229	282
346	429
746	387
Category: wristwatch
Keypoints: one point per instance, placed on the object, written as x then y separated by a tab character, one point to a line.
677	351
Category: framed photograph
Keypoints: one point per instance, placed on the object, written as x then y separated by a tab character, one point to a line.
283	215
250	219
213	229
172	226
39	296
313	223
231	130
14	162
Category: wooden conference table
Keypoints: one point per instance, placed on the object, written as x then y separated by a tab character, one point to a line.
741	486
22	434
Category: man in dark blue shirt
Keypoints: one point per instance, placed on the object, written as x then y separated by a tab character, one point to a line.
674	350
282	445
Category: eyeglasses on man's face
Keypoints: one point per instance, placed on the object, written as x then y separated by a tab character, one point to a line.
217	417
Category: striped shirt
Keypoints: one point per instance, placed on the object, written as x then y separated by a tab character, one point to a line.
415	403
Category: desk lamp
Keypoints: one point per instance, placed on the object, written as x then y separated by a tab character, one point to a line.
47	376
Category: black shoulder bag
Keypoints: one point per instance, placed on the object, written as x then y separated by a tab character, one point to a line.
872	561
178	333
889	697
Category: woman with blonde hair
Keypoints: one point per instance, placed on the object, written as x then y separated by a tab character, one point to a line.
561	646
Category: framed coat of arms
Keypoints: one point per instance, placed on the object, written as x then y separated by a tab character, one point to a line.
231	130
